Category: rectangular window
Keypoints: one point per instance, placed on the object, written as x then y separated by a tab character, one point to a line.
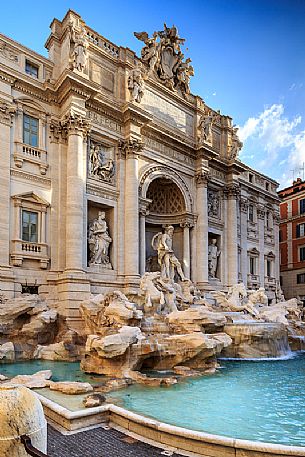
280	236
302	206
250	177
31	69
252	265
301	278
29	226
302	254
30	130
251	213
268	268
300	230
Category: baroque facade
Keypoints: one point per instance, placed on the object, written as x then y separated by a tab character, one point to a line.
292	239
100	150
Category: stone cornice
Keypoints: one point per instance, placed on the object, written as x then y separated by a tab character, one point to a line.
31	177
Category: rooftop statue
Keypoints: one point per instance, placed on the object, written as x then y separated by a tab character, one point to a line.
165	60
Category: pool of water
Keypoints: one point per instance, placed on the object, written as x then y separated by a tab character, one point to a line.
258	400
62	371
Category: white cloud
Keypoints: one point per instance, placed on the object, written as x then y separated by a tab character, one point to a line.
277	142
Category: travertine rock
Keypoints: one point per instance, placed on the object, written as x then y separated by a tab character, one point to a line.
71	388
34	381
194	319
93	400
58	351
7	351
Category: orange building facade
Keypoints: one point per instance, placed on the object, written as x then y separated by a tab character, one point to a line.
292	239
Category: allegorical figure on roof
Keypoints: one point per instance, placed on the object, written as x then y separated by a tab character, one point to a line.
136	83
165	60
78	48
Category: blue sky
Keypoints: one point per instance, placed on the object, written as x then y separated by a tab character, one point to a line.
248	56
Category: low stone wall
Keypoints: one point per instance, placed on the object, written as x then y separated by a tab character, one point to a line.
199	443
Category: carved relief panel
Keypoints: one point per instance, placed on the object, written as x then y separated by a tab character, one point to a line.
101	165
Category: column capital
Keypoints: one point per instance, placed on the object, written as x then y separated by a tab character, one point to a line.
130	148
202	177
7	112
232	191
76	124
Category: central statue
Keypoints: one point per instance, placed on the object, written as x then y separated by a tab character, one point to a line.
163	243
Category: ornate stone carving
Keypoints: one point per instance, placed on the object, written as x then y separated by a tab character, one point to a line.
202	177
163	59
75	124
166	199
8	52
7	112
136	83
100	166
261	212
130	147
244	205
213	203
78	48
235	146
204	129
213	254
276	217
99	242
163	243
232	191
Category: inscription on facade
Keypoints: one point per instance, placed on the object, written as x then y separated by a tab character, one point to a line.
104	121
168	112
167	151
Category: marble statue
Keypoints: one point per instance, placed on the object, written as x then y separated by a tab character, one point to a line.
236	144
79	46
99	241
213	254
205	124
213	204
164	59
163	243
136	83
99	165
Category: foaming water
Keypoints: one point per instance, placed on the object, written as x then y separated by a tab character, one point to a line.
289	356
254	400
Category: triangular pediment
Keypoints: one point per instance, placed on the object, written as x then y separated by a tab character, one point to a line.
31	197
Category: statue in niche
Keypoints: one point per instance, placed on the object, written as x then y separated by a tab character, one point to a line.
213	254
164	59
236	144
213	204
99	165
163	243
79	48
99	241
136	83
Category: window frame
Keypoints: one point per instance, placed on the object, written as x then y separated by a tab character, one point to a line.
30	234
301	253
28	69
30	130
302	206
251	219
299	276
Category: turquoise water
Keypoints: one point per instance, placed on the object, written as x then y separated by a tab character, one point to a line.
259	401
62	371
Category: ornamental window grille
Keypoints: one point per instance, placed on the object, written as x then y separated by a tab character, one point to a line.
166	197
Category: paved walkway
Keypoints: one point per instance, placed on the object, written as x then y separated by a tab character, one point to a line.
99	443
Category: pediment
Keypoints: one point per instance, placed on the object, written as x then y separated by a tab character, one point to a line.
31	197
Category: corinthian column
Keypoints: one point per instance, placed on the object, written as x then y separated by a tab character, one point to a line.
202	228
231	193
131	149
77	129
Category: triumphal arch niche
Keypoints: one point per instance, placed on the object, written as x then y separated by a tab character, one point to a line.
166	201
103	149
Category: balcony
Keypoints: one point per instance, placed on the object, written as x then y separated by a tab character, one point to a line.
24	152
22	250
270	283
253	281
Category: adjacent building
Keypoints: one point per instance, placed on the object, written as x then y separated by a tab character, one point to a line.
292	239
100	150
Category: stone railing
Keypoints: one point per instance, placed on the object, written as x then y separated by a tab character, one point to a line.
253	280
270	283
22	250
102	43
24	152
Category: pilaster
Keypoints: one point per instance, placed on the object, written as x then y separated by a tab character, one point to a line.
231	194
202	178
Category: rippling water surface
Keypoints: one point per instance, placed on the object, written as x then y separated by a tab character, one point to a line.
260	401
